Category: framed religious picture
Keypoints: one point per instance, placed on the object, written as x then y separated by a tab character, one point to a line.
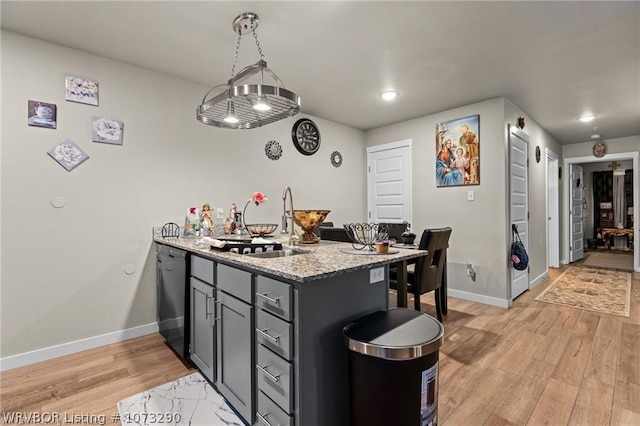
458	152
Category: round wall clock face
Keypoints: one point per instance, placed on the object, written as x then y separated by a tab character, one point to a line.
306	136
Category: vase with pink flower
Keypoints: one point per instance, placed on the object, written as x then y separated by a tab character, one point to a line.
257	229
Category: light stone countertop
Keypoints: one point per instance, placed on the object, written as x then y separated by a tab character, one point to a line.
323	260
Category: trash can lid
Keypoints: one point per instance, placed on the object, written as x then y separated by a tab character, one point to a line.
397	334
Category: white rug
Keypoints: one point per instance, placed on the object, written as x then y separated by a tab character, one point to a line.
189	400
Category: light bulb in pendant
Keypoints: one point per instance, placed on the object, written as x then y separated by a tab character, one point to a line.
231	114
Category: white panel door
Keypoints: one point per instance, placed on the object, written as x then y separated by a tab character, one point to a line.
389	182
519	201
576	250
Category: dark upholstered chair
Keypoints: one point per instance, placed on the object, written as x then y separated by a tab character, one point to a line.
429	269
334	234
396	230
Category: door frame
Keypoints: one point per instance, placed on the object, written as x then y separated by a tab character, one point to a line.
553	210
387	147
636	200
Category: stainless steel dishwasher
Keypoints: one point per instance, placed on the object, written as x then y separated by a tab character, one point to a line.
172	311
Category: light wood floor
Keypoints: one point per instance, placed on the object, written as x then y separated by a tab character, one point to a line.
533	364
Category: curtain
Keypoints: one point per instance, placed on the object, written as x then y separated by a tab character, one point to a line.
619	206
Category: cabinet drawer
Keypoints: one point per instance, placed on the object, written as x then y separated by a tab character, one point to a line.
202	269
235	282
275	377
274	296
270	414
274	333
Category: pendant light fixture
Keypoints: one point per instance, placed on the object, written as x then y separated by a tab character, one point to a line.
247	106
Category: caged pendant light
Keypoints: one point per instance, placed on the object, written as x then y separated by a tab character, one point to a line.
247	106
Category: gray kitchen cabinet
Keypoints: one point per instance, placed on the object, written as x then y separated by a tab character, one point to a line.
235	377
202	348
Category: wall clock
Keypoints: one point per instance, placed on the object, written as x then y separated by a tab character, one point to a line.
306	136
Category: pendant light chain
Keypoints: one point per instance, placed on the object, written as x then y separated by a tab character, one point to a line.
255	36
235	57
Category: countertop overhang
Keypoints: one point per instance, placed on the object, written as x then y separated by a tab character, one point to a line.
323	260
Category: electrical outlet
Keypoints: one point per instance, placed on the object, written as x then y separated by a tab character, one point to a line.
471	195
219	213
376	275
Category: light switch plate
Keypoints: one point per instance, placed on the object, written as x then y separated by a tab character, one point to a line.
471	195
219	213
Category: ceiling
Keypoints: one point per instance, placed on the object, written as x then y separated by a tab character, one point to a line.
554	60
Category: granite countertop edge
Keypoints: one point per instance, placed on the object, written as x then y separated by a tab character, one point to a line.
323	260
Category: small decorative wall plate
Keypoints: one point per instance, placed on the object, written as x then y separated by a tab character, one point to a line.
521	122
560	173
599	149
336	159
273	150
537	154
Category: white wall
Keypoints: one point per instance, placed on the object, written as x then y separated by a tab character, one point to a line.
62	269
478	235
481	232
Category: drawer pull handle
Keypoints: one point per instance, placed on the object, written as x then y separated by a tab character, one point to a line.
265	421
207	306
275	378
274	339
264	296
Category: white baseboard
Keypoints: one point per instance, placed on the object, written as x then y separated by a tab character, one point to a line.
538	280
56	351
487	300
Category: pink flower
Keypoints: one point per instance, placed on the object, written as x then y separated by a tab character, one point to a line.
258	198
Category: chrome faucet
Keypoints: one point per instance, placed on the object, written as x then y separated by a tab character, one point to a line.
287	215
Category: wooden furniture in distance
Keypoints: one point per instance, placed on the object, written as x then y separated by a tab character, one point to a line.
607	233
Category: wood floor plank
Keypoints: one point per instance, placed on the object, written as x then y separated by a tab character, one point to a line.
555	404
622	417
516	358
626	395
525	390
482	400
573	362
593	404
495	420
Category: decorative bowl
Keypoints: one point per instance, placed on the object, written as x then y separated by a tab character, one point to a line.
365	235
308	220
261	229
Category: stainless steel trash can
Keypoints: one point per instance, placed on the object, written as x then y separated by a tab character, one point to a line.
393	368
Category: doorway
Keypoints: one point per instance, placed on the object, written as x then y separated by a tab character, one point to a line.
566	238
553	210
389	182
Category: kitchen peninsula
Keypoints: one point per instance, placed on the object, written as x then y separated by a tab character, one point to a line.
275	325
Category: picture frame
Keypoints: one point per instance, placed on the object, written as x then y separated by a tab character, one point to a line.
68	154
42	114
106	130
458	152
80	89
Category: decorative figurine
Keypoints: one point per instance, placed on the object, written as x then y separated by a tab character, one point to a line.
206	221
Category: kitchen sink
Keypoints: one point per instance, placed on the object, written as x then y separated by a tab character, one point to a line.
278	253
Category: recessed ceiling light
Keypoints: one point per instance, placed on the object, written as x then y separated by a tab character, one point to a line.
587	118
595	136
389	95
